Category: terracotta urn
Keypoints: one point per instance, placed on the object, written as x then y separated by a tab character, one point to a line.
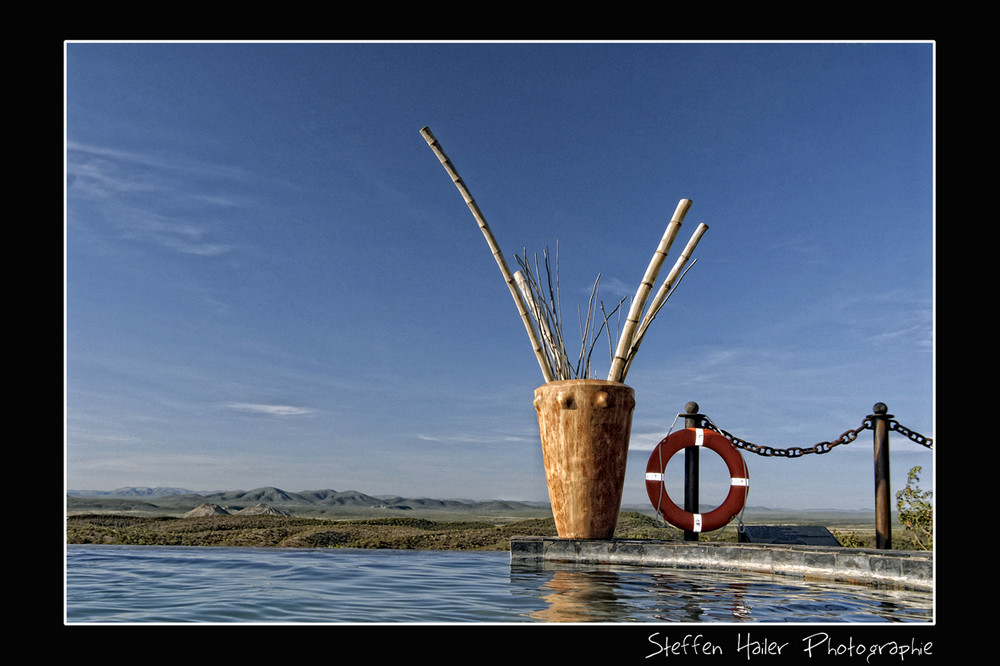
585	426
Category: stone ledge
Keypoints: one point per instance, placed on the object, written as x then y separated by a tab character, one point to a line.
895	568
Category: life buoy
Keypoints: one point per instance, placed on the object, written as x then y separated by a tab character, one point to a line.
656	486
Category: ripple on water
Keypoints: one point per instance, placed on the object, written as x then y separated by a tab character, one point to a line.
181	584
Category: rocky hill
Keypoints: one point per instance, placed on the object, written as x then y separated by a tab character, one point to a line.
209	509
206	509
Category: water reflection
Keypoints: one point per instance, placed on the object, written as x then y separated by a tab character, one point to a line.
578	596
574	593
679	597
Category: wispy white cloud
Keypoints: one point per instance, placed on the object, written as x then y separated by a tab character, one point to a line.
612	290
268	410
176	234
472	438
90	160
195	471
910	324
806	249
149	199
97	437
647	441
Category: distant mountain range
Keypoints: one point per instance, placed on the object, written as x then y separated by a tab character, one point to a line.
133	491
334	503
306	501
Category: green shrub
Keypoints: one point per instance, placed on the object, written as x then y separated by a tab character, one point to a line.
850	540
916	512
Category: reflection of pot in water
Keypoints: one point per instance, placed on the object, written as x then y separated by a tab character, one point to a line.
582	596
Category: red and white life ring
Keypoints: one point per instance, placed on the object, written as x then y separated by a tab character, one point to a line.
657	491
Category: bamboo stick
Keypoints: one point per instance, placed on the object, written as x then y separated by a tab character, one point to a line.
665	290
515	293
618	370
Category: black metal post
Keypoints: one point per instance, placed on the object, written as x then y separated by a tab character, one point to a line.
692	419
883	516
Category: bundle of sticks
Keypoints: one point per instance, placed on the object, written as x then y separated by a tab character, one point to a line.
538	308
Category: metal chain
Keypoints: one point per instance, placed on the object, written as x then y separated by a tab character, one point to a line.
821	447
914	437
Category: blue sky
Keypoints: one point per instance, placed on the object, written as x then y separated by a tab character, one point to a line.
271	280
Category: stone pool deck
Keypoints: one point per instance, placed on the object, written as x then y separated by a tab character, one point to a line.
896	568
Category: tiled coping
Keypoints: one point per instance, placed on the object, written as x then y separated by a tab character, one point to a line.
895	568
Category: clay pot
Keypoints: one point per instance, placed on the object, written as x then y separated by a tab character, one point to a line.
585	426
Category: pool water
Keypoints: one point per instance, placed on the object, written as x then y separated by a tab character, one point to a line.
150	584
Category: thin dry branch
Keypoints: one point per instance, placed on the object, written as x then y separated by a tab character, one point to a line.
543	300
515	293
606	324
546	315
555	315
546	323
583	360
